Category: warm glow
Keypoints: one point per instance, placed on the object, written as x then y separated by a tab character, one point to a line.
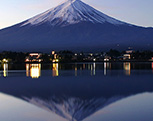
27	70
84	66
5	60
27	60
34	57
55	61
127	68
55	56
34	54
5	71
53	52
127	56
76	70
55	70
34	70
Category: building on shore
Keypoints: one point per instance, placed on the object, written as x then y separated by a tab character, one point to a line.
55	57
34	57
127	55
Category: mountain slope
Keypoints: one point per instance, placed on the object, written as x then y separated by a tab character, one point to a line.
72	12
73	109
76	26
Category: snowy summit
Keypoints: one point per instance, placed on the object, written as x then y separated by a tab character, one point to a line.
71	12
75	26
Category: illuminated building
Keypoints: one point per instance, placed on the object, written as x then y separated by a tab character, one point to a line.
5	60
126	57
55	61
53	52
107	58
34	57
54	57
33	70
129	51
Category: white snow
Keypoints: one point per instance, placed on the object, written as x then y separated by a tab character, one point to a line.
71	12
73	107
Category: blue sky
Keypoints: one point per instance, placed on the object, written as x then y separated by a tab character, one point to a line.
138	12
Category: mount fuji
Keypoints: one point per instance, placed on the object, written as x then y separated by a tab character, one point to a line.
74	25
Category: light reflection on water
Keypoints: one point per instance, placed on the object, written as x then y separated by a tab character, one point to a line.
127	68
95	96
33	70
107	66
5	71
57	69
89	98
152	67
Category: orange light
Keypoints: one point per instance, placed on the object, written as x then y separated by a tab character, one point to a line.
55	70
127	68
53	52
27	69
33	70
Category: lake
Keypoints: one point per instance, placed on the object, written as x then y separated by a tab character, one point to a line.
77	92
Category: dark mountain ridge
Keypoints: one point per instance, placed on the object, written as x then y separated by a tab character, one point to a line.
79	28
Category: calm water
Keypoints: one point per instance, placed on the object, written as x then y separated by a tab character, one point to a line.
76	92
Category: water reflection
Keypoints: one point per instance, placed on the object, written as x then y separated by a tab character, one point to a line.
55	70
107	65
94	69
33	70
152	67
5	69
127	68
105	68
74	69
78	99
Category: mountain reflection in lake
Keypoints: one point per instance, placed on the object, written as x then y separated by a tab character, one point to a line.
76	92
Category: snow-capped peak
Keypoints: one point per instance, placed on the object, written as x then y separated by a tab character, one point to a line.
73	108
71	12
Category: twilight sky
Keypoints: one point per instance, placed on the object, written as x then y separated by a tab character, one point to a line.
138	12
